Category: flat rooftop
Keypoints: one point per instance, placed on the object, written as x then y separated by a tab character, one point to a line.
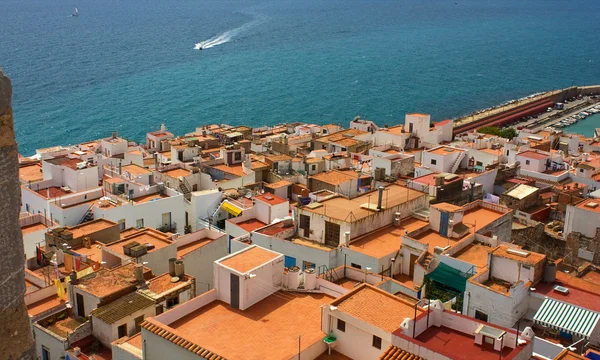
31	173
33	228
175	173
476	254
246	260
590	205
376	307
105	282
386	240
250	224
195	245
152	237
149	198
459	346
90	227
480	217
46	304
522	256
444	150
339	208
163	283
63	327
275	228
134	169
270	327
270	199
433	239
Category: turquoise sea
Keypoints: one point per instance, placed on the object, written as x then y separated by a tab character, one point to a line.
131	65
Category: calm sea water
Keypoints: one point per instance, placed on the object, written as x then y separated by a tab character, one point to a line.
131	65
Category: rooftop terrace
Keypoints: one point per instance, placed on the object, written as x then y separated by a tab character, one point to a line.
270	327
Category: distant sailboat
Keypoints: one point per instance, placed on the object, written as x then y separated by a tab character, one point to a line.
76	13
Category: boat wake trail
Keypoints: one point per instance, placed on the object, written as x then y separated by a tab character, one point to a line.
230	34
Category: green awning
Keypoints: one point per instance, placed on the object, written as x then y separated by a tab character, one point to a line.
449	276
566	317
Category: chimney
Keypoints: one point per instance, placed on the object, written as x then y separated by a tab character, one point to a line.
163	127
347	239
380	197
73	277
179	270
139	273
172	266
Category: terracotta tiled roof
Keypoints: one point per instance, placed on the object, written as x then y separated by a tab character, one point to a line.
166	334
395	353
122	307
376	307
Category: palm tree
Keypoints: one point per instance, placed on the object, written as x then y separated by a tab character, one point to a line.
15	331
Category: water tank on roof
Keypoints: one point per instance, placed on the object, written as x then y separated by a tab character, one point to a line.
550	272
310	279
294	275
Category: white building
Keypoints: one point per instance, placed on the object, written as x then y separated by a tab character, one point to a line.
444	159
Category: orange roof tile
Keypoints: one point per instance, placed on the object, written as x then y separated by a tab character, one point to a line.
249	259
376	307
532	258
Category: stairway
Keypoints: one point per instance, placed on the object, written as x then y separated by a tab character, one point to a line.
185	188
457	162
427	260
88	216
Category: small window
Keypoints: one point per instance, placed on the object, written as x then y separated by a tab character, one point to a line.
121	224
314	167
174	301
139	223
507	152
479	163
481	316
356	266
238	156
580	170
527	162
341	325
377	342
433	161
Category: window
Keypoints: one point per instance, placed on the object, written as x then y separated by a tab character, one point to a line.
356	266
527	162
580	170
314	167
341	325
174	301
433	161
332	234
238	156
138	321
122	331
479	163
377	342
139	223
507	152
121	224
45	353
481	316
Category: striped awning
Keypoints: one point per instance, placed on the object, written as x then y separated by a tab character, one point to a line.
566	317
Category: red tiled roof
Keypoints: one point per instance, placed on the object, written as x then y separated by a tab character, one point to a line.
533	155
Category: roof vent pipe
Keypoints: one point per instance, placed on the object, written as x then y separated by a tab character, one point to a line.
380	198
172	266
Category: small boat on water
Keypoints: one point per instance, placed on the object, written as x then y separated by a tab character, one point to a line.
75	13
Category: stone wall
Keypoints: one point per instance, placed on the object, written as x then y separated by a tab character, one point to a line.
534	238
